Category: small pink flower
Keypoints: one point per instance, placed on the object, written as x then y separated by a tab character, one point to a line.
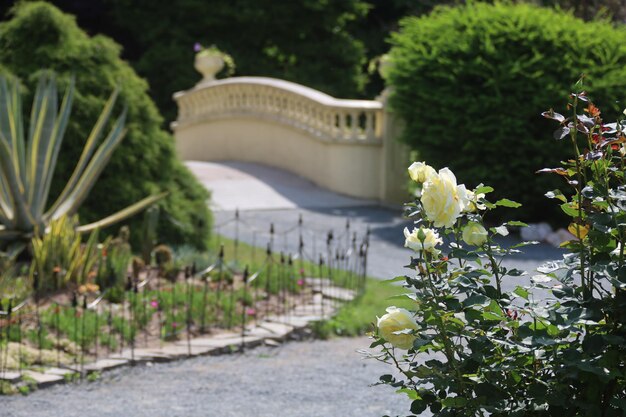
302	272
250	311
154	304
300	282
174	325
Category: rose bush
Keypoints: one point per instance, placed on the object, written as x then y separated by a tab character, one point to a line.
556	344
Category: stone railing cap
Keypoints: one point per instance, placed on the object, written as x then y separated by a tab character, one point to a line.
288	86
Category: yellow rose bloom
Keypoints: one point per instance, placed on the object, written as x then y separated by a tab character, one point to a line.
441	200
420	172
397	320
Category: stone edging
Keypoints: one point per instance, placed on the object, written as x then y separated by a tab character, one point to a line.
272	331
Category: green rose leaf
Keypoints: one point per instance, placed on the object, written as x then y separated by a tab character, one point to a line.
517	223
556	194
485	189
505	202
521	292
454	402
569	210
418	406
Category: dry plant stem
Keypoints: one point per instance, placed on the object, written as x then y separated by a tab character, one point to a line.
397	365
579	178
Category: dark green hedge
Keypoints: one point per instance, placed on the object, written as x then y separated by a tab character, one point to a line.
471	83
39	36
305	41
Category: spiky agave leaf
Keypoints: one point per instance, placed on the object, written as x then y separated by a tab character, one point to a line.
122	214
27	164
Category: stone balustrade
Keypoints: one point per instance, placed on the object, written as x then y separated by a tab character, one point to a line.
348	146
319	114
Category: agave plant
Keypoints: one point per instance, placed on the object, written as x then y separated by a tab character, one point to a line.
28	160
59	257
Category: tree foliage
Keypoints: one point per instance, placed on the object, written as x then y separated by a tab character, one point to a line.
39	36
308	42
469	82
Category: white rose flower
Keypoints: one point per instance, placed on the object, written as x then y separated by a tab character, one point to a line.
474	234
394	325
420	172
441	200
469	200
465	197
431	239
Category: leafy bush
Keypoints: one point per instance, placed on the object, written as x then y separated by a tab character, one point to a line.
469	80
553	347
320	53
40	36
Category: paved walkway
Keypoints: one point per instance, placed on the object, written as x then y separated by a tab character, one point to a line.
267	196
247	186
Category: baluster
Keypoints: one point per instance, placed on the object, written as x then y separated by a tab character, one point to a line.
331	123
378	124
354	125
308	115
315	119
302	113
369	125
293	113
343	118
291	110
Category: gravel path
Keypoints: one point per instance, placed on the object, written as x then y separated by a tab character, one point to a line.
298	379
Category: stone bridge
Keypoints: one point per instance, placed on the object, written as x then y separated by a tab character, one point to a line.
347	146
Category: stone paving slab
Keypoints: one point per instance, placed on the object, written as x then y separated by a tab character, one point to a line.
105	365
59	371
249	341
277	328
225	335
152	355
44	380
265	334
136	356
179	351
271	342
11	377
338	294
312	311
295	321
